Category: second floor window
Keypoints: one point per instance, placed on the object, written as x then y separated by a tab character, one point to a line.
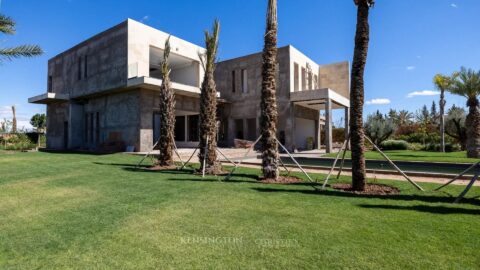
85	67
244	81
50	84
304	79
296	82
79	68
233	81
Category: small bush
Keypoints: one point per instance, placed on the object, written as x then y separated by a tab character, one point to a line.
415	146
394	145
18	142
436	147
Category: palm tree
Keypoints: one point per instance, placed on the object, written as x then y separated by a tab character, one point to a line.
268	103
14	120
208	105
7	26
404	117
467	83
442	83
357	139
167	113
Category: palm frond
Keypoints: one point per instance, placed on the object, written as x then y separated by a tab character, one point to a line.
466	83
7	25
20	51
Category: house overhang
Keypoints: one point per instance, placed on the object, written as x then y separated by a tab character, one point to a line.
49	98
154	84
316	99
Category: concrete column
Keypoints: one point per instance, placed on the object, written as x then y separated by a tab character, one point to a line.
318	131
292	145
328	126
347	122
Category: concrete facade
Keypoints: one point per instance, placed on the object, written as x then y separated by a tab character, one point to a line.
102	94
304	90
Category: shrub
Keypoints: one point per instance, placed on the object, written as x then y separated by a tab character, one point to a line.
394	145
436	147
415	146
18	142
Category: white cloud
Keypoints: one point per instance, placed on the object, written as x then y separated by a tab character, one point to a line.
453	5
423	93
145	18
410	67
378	101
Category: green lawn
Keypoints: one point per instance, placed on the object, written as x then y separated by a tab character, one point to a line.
73	211
408	155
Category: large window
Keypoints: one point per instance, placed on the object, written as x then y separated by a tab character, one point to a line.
244	81
251	129
239	129
193	132
180	128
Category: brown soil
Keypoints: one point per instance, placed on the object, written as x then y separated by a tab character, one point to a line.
211	172
281	180
371	189
162	168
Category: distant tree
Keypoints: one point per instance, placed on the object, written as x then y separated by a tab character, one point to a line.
7	26
379	128
357	89
5	126
442	83
423	116
455	125
208	105
393	115
167	112
404	118
39	122
467	83
433	113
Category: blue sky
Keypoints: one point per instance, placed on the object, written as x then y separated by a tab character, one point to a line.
411	40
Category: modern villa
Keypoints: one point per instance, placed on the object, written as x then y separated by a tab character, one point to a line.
102	94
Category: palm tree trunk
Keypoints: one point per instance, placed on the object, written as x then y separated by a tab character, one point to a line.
442	119
14	120
208	126
167	114
472	122
357	97
268	102
208	107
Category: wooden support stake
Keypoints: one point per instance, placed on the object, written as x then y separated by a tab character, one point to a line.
240	162
176	152
147	155
469	186
458	176
334	164
295	161
393	164
205	155
190	158
343	157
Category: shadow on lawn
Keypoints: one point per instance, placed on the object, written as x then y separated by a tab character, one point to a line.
425	208
400	197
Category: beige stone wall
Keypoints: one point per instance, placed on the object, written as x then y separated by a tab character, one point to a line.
336	77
